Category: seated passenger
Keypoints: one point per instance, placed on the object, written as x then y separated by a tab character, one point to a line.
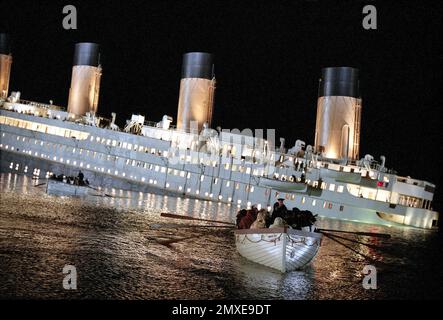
254	210
279	223
260	222
247	220
240	216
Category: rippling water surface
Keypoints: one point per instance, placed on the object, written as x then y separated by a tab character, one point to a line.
114	242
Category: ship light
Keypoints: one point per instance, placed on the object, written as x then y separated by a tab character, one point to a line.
331	155
167	184
220	197
197	191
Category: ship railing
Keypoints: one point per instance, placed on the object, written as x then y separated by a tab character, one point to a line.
39	104
153	124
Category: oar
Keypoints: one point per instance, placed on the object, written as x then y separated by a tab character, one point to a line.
367	234
170	241
177	216
105	194
372	246
179	226
40	184
330	236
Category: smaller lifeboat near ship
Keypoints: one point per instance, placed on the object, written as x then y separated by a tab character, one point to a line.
66	189
280	185
341	176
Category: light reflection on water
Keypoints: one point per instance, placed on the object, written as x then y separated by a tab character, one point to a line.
113	243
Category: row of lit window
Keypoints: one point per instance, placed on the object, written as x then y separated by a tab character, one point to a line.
128	146
329	205
35	173
188	158
57	147
331	187
326	204
39	127
156	168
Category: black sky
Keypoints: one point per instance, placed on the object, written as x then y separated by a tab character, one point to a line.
268	57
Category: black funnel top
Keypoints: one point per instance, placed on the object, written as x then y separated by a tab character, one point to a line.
86	54
5	47
197	65
339	81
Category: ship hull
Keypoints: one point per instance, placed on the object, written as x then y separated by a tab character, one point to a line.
415	218
38	146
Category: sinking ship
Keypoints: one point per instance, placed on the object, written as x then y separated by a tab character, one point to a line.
190	159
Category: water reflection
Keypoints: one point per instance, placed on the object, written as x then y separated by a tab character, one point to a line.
115	244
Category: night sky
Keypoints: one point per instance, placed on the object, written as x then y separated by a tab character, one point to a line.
268	57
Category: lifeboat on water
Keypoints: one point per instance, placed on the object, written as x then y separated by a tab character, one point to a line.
66	189
282	249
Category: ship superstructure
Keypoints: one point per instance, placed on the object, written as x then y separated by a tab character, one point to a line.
232	167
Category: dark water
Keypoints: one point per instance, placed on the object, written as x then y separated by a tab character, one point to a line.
113	243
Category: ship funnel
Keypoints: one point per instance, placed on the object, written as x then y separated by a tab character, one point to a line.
5	65
85	81
197	86
337	130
